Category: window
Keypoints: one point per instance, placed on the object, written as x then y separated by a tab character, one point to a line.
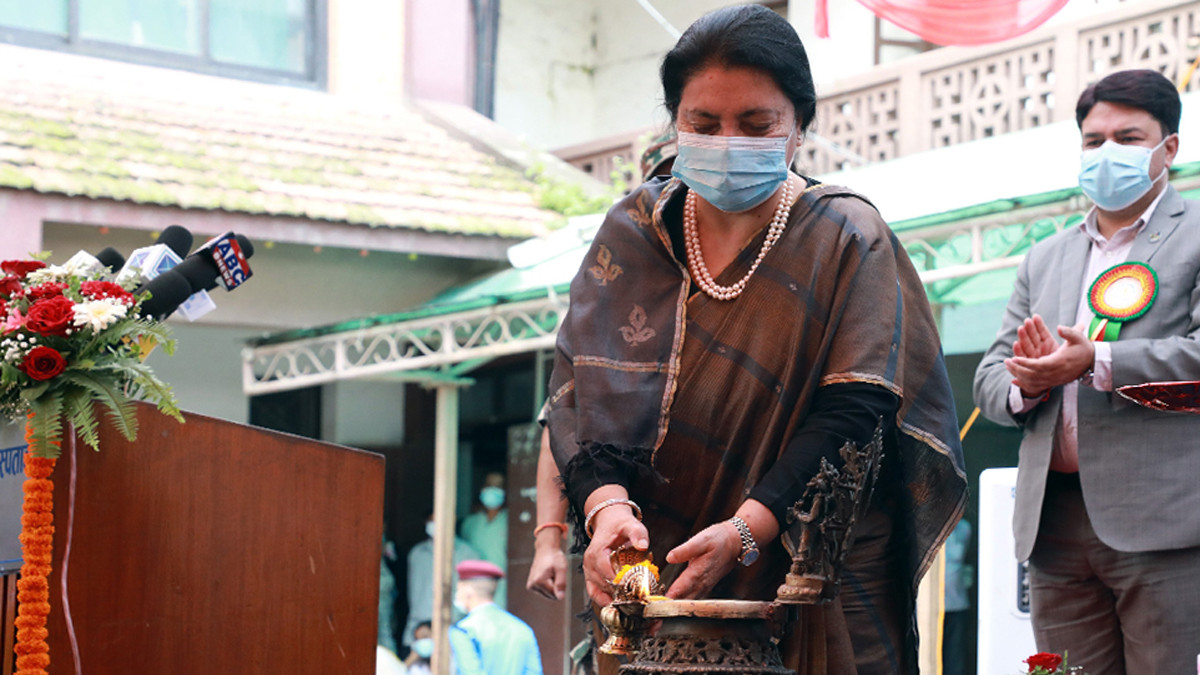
270	40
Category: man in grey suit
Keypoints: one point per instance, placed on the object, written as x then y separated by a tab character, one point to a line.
1108	492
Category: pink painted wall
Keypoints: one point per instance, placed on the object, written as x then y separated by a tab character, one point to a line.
20	226
441	50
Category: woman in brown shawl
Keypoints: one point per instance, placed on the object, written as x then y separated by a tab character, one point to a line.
732	326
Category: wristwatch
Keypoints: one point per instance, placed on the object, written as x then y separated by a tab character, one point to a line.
1088	378
749	547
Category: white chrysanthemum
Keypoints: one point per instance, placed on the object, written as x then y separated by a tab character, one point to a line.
99	314
48	274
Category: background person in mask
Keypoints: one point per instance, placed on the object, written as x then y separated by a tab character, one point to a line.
1107	509
420	578
418	662
487	530
754	327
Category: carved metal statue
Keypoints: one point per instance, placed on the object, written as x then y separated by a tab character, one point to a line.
821	524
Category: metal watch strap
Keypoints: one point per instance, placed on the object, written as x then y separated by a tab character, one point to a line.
748	543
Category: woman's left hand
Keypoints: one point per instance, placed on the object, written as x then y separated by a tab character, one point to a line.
709	555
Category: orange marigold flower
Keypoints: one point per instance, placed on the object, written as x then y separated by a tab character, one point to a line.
37	543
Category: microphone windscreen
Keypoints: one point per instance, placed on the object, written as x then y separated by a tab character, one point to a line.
245	245
177	238
111	258
167	291
200	271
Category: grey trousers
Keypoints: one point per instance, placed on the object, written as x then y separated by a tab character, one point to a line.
1116	613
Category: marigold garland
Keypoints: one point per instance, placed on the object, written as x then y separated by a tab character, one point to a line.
37	546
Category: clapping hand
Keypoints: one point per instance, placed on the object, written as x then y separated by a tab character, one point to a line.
1040	363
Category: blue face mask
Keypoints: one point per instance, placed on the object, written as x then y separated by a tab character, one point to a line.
1115	176
423	647
491	497
733	173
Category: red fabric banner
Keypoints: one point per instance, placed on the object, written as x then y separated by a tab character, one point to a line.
956	22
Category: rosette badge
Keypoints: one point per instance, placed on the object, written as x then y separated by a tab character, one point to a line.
1121	293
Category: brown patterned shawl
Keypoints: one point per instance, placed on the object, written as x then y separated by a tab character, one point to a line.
709	392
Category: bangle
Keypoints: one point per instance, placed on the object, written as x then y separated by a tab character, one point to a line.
562	527
587	522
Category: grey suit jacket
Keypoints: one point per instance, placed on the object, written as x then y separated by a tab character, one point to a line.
1140	469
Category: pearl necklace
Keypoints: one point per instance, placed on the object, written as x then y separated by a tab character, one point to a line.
695	257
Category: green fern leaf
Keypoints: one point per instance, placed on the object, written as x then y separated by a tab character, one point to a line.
121	411
46	425
79	409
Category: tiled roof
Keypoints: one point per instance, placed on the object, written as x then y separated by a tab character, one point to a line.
76	126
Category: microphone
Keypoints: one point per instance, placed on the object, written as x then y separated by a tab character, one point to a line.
177	238
167	291
111	258
169	249
101	264
224	258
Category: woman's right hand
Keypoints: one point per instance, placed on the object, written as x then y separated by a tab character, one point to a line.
614	527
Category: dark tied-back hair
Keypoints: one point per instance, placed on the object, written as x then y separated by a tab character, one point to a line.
748	36
1147	90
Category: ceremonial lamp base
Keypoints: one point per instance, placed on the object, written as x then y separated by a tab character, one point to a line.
801	589
726	637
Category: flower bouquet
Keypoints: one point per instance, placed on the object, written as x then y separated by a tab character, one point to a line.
69	339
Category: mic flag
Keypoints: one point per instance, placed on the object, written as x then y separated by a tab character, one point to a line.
221	258
148	262
228	254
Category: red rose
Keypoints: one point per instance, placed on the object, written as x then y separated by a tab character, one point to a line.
99	290
20	268
43	363
10	286
51	316
1048	662
43	291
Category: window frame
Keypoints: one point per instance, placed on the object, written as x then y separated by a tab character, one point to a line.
315	73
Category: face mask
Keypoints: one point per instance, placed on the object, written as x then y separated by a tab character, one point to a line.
423	647
458	604
429	528
491	497
733	173
1115	176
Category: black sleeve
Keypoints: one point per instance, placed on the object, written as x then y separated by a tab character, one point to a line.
592	468
841	412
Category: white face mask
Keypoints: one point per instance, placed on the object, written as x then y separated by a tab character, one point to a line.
430	528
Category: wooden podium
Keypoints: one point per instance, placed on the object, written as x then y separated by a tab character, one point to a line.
213	547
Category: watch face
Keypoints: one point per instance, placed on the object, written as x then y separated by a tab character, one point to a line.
749	557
